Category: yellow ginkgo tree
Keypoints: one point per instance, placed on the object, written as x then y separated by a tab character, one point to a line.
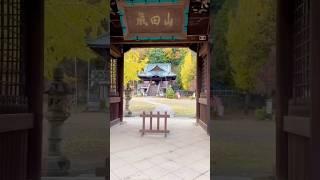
188	71
134	63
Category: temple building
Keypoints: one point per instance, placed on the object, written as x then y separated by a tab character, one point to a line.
156	79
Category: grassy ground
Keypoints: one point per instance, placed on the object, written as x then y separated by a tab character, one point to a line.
181	107
137	105
85	141
242	146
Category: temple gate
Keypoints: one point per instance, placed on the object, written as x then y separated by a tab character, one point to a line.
163	23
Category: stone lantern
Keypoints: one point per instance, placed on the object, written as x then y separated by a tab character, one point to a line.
128	97
58	111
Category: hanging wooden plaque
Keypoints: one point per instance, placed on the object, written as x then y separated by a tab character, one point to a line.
154	21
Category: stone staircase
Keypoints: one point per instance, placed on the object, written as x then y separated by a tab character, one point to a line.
153	89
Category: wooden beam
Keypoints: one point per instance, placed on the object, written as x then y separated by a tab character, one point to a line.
155	115
113	100
203	101
297	125
15	122
121	85
190	40
198	85
208	83
115	51
154	131
33	43
204	51
159	45
284	56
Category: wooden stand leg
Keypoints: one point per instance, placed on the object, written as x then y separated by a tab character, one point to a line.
158	121
143	123
151	120
165	124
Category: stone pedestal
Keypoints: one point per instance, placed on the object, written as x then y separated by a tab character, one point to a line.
58	112
128	97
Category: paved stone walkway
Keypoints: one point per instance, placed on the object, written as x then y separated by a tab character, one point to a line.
184	154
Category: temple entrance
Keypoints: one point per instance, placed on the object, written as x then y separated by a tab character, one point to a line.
160	25
155	79
159	121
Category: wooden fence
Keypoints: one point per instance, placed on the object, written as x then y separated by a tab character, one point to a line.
151	129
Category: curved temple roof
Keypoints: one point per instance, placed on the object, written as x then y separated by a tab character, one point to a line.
160	70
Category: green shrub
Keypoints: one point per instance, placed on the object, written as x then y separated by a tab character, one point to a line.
192	97
261	114
170	94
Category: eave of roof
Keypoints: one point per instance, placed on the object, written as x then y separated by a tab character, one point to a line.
102	42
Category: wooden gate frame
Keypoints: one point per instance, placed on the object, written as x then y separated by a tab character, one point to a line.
117	53
35	58
315	89
203	115
203	50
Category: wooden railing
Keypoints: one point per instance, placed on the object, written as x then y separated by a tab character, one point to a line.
151	129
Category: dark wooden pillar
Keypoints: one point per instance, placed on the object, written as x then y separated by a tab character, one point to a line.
315	89
107	170
208	85
34	43
283	85
121	81
198	85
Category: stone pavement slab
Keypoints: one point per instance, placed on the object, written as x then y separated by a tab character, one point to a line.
184	154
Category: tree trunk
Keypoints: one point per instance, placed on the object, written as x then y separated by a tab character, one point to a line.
246	103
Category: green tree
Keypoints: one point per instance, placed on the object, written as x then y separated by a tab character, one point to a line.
221	69
67	25
174	56
170	94
217	5
250	37
166	55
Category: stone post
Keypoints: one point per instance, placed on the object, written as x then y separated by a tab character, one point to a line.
128	97
58	111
